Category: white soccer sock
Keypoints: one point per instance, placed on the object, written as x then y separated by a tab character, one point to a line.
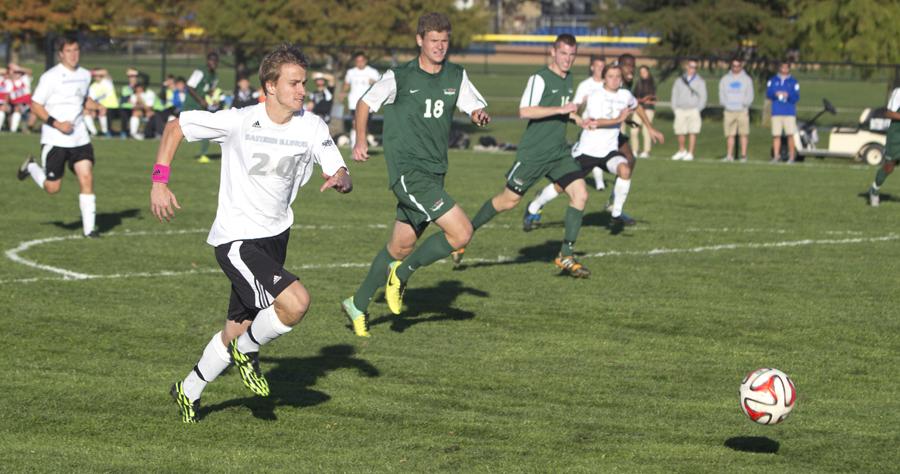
352	139
214	361
37	174
546	195
2	119
14	123
598	178
621	193
88	205
265	328
104	124
875	186
134	124
91	126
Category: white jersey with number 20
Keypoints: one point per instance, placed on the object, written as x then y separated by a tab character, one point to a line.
263	166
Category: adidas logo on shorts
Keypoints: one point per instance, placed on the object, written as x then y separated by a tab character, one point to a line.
276	279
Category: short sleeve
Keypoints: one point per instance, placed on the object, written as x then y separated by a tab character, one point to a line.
195	79
201	125
470	99
631	102
373	74
383	92
42	92
534	89
894	103
326	152
581	92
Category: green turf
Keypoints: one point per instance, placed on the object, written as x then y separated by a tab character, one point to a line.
503	366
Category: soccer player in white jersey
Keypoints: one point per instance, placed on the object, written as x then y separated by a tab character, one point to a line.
60	100
605	111
268	152
357	81
585	88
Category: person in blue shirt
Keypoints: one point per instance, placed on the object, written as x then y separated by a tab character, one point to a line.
784	92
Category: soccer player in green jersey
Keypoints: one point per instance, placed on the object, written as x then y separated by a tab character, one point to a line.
891	151
418	98
543	151
199	85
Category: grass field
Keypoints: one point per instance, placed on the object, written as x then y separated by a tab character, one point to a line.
503	366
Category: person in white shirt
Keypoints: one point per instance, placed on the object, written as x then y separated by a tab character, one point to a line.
60	100
142	102
356	82
268	151
586	88
598	147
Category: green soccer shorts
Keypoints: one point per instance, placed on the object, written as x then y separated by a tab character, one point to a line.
524	172
421	198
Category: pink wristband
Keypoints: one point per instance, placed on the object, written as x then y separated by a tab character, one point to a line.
160	174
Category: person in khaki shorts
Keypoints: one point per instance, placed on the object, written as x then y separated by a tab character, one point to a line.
688	100
736	96
784	92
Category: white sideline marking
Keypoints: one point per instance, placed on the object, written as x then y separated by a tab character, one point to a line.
68	275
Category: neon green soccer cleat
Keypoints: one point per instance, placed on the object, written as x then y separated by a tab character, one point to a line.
394	289
248	365
188	409
358	319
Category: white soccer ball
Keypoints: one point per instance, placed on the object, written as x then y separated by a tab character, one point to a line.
767	396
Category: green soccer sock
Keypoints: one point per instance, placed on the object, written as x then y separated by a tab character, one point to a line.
433	249
374	280
573	225
204	147
485	214
881	175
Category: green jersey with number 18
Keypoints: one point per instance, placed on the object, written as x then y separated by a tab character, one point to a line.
418	114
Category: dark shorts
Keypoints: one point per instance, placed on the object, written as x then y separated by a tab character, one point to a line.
588	162
524	173
892	151
421	199
54	159
256	270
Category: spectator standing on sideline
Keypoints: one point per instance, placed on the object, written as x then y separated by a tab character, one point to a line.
736	96
357	81
688	100
784	92
645	86
244	95
322	96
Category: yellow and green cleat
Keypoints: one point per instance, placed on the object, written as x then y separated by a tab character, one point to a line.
358	319
248	366
188	408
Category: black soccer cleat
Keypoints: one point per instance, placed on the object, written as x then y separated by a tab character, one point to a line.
623	220
23	168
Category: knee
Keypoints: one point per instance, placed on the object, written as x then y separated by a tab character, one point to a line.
889	166
52	187
624	171
579	196
507	201
292	304
399	251
462	236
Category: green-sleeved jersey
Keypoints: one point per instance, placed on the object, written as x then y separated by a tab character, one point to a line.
418	113
203	81
543	138
893	134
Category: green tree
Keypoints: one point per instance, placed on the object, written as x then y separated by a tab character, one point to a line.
849	30
339	24
718	28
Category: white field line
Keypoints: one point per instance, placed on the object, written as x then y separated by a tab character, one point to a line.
67	275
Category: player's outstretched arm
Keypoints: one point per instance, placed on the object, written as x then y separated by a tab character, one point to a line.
361	150
655	134
539	112
162	201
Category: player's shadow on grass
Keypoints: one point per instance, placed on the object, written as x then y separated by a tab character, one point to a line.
545	252
437	300
291	380
594	219
106	221
883	197
753	444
